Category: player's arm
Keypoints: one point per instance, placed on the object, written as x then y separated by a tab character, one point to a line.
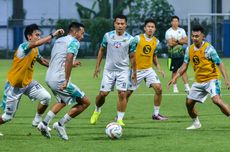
157	64
212	54
43	61
133	65
184	39
100	56
46	39
68	69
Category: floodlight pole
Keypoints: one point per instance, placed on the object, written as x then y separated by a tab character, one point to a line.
111	9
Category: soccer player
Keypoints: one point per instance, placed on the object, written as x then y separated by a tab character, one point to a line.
145	47
176	38
206	65
62	61
20	76
116	70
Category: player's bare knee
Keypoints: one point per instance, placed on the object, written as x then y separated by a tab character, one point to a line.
7	117
86	101
103	94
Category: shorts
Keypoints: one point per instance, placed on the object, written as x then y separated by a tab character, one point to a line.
12	95
112	78
175	63
200	91
148	75
70	95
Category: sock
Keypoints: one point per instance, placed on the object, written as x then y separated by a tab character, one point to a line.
97	109
120	115
196	120
186	86
64	120
174	86
156	110
38	117
50	115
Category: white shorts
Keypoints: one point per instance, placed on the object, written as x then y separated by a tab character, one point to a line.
148	75
70	95
112	78
200	91
12	95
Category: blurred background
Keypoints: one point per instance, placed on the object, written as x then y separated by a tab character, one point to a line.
97	15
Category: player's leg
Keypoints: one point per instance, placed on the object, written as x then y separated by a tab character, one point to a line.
174	71
107	84
12	97
224	107
36	91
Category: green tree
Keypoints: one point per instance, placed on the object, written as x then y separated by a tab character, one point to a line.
160	10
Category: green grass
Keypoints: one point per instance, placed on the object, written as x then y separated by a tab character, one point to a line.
140	134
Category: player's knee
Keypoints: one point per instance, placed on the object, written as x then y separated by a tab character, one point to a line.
103	94
46	98
86	101
7	117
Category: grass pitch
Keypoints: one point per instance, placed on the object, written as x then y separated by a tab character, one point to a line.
141	132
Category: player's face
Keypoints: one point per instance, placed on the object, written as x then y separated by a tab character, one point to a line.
150	28
120	26
175	23
79	35
36	35
197	38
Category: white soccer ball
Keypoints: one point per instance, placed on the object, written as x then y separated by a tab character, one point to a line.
113	130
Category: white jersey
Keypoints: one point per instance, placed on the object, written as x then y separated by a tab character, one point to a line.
118	49
62	46
176	34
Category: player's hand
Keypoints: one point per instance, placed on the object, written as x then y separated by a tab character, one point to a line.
96	72
134	78
227	83
162	73
58	32
76	63
64	85
172	81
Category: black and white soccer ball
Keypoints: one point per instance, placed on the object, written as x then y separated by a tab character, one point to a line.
113	130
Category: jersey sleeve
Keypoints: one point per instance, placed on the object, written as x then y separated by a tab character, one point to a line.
157	46
211	54
73	47
23	49
183	33
167	36
133	43
186	55
104	41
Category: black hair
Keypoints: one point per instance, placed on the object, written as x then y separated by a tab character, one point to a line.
121	17
175	17
30	29
75	26
150	20
197	28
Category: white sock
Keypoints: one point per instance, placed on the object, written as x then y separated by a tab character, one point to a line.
156	110
97	109
186	86
50	115
174	86
38	117
196	120
65	119
120	115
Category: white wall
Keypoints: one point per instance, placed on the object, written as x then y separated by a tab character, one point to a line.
183	7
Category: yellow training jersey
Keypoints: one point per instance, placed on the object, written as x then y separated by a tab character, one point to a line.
144	52
21	72
204	68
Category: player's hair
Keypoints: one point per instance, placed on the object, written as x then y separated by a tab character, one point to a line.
175	17
30	29
150	20
197	28
75	26
121	17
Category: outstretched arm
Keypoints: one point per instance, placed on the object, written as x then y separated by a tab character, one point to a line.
43	61
180	72
156	63
46	39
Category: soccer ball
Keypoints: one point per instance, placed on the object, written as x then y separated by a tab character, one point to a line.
113	130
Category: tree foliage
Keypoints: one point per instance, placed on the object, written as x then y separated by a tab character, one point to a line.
160	10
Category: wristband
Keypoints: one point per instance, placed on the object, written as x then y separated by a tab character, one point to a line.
52	36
